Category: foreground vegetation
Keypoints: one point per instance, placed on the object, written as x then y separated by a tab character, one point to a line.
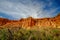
32	34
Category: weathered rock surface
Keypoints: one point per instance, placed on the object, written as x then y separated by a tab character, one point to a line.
30	22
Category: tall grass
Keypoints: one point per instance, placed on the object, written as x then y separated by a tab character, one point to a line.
23	34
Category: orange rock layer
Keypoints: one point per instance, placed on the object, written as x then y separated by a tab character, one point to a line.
31	22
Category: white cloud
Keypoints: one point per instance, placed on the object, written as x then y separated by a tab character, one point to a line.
25	8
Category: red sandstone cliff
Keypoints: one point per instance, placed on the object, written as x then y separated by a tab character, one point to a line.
30	22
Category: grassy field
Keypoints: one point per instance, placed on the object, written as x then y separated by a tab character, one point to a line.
31	34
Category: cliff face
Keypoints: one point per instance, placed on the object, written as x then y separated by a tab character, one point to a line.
30	22
3	21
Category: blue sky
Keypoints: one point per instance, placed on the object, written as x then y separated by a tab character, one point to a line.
16	9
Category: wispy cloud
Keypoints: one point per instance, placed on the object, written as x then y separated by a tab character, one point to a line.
25	8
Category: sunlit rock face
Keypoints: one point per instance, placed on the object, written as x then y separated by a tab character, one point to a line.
31	22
